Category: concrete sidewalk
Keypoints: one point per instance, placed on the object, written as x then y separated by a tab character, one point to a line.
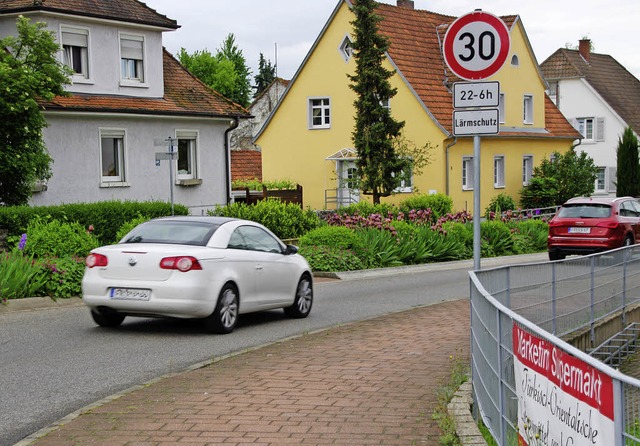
366	383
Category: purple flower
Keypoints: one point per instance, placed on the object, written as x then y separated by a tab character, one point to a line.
23	242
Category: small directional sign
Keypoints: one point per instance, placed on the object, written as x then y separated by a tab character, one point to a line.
166	156
476	122
476	94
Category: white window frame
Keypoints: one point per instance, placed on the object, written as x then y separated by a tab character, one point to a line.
323	105
345	49
119	178
498	171
502	108
600	186
132	57
406	186
527	169
467	173
527	109
193	136
591	129
76	37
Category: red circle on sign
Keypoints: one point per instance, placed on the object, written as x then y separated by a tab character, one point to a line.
456	65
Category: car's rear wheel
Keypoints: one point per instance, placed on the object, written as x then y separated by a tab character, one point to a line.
225	317
556	255
107	319
303	301
628	241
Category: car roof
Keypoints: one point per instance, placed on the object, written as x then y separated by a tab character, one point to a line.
204	219
597	200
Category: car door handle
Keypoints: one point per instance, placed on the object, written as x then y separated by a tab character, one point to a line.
259	267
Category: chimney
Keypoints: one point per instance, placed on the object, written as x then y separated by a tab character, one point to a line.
585	49
405	4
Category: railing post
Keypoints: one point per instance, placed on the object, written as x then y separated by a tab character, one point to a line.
618	413
503	423
625	262
553	298
592	293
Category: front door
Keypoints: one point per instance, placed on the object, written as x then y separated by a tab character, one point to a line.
347	185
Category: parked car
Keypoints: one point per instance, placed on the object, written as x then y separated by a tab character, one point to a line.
586	225
212	268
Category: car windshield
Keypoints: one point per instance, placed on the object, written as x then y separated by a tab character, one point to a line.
195	233
585	210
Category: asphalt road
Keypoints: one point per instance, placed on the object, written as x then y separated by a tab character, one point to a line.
55	361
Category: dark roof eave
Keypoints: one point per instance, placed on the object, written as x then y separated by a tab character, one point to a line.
144	112
169	24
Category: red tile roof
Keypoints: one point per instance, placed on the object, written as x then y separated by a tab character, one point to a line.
414	37
183	95
619	88
132	11
246	165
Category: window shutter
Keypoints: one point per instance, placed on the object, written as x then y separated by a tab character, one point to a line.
131	48
74	39
613	172
599	129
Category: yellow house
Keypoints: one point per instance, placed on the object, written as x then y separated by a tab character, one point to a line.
308	136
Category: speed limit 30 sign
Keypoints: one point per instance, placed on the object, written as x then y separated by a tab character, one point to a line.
476	45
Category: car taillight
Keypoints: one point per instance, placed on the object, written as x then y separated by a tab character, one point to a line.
181	263
608	224
96	260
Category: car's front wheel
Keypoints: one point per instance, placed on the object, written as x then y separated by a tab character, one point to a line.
107	319
225	317
303	301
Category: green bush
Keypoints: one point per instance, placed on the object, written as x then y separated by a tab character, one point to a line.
53	238
382	246
530	235
64	277
440	204
498	204
498	239
20	276
540	193
128	226
286	220
331	258
337	237
365	209
462	233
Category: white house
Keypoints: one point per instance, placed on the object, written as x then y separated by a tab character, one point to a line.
600	97
130	99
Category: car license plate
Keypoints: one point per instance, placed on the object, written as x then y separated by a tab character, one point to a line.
579	230
129	293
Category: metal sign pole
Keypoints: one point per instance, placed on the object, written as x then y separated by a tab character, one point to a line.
476	202
170	140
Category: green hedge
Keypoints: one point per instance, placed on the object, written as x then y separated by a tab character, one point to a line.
106	217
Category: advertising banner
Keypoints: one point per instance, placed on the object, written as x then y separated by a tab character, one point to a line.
562	401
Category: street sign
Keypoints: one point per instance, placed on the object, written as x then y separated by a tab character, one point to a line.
476	122
476	94
476	45
166	156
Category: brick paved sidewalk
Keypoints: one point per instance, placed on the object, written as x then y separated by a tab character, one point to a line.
367	383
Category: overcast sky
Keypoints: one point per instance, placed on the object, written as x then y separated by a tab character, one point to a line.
291	26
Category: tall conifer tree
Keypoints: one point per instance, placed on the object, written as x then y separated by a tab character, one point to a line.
628	172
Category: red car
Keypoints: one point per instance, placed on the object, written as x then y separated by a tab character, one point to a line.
585	225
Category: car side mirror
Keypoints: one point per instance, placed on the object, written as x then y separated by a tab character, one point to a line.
291	249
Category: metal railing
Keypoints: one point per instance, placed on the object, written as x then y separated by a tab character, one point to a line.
550	300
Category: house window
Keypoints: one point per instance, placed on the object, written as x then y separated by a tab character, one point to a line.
406	182
467	173
75	50
592	129
112	155
345	49
527	169
132	58
528	109
187	164
501	109
319	113
601	185
498	171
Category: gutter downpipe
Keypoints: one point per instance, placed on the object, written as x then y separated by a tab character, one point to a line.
227	156
446	160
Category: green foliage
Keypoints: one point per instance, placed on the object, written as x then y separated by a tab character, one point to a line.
29	71
379	166
63	277
331	258
335	236
497	238
255	184
458	375
462	233
365	208
574	175
530	236
128	227
286	220
440	204
226	72
383	248
266	75
498	204
540	193
20	276
53	238
106	217
628	166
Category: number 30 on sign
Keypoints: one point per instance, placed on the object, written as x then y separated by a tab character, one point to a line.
476	45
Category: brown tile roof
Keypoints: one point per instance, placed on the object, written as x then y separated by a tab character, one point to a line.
183	95
246	165
611	80
132	11
415	50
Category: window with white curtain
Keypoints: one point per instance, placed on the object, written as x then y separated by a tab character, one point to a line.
132	57
75	50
